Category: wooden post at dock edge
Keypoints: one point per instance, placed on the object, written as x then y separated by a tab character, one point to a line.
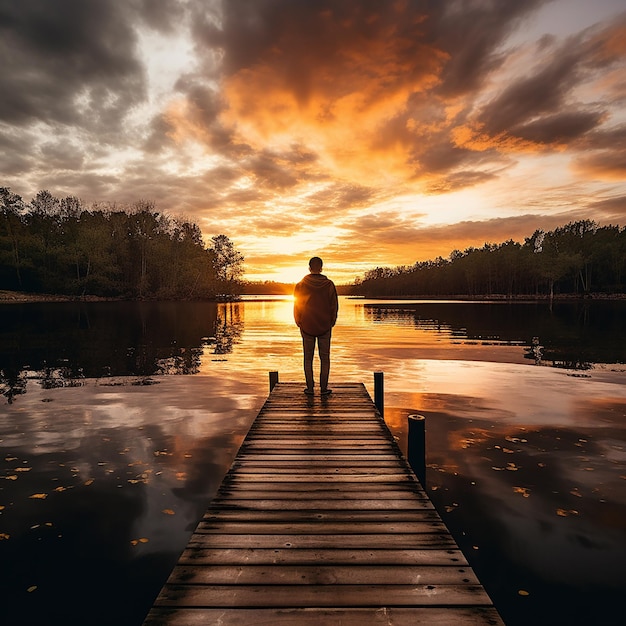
379	392
273	380
416	446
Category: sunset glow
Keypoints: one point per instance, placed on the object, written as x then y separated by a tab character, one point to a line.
369	133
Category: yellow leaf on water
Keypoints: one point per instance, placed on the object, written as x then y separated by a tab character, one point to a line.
39	496
143	540
22	469
12	477
523	592
31	589
89	482
168	512
59	489
1	507
4	536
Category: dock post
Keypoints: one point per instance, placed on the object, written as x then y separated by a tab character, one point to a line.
273	380
416	447
379	392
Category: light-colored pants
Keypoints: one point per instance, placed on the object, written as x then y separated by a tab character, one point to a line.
323	347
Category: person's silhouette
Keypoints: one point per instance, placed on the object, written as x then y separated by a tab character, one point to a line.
315	312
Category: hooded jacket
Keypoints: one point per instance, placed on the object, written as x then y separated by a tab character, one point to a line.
315	304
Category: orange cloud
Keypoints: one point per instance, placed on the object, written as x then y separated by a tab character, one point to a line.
339	87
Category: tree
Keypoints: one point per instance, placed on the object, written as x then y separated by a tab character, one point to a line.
228	265
13	229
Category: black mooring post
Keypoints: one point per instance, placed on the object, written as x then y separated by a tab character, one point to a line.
273	380
416	447
379	392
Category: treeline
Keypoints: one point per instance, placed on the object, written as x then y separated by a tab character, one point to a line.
60	246
579	258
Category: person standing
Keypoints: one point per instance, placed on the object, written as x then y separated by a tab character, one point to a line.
315	310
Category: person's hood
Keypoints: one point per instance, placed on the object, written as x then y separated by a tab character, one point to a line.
315	281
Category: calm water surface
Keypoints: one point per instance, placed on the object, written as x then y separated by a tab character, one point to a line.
119	420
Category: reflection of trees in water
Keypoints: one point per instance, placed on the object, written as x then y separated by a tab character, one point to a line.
55	377
61	344
12	384
228	327
573	334
187	361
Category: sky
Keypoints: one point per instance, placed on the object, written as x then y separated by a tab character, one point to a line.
368	132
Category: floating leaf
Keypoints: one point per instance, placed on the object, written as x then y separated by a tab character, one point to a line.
12	477
523	490
39	496
59	489
22	469
4	536
32	588
566	512
523	592
88	482
2	507
168	512
141	540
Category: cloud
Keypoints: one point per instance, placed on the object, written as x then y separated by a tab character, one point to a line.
68	62
472	34
610	209
285	124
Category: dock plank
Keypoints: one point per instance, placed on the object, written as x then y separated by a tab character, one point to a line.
320	520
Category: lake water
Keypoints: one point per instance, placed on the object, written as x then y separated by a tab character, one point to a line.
118	422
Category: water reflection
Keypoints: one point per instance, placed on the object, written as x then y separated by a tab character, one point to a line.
569	334
528	473
99	488
62	344
102	482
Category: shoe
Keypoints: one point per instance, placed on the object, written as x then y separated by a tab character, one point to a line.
327	392
309	392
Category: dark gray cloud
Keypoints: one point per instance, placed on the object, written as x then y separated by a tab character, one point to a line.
541	92
558	128
472	34
75	62
541	106
610	209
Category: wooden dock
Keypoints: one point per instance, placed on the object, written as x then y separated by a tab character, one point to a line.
321	521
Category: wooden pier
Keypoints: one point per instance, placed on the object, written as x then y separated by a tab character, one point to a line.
321	521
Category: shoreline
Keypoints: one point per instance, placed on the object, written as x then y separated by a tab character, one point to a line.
23	297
